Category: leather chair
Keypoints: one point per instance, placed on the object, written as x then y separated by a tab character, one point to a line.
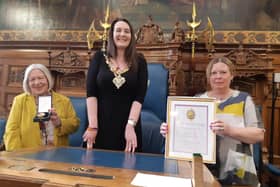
269	169
2	131
257	147
154	109
79	104
257	155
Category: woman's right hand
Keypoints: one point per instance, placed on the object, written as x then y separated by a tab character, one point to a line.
163	129
89	137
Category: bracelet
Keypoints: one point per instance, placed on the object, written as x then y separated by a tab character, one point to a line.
92	129
131	122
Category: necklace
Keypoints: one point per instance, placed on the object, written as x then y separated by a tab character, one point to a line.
118	80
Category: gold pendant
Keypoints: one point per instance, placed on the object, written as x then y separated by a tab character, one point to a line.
118	81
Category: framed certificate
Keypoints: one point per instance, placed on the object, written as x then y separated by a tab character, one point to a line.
189	132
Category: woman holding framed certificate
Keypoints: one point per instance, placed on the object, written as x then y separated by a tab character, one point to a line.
236	126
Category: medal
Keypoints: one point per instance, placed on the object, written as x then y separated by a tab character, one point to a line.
118	81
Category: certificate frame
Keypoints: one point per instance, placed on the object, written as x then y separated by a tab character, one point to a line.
189	132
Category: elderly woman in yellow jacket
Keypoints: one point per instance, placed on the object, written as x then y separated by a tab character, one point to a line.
21	130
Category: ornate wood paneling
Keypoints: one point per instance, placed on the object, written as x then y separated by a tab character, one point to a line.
68	61
73	84
15	76
69	69
9	96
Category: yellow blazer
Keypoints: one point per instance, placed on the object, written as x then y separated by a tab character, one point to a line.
22	132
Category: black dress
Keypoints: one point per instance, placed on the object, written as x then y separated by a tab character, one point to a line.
114	104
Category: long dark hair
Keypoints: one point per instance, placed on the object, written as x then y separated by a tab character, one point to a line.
130	51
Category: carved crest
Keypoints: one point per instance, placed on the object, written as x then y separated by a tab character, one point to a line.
68	62
249	63
149	33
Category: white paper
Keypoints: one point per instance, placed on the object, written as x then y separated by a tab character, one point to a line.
148	180
45	103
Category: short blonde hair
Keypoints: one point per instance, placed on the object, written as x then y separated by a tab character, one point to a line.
224	60
43	69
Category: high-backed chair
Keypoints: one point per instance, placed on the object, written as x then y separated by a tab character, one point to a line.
2	131
270	169
257	155
79	104
257	147
154	108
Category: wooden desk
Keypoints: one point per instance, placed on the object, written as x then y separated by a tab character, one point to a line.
123	166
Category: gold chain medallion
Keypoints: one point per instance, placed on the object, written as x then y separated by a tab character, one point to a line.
118	80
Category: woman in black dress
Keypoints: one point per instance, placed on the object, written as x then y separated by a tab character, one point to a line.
116	87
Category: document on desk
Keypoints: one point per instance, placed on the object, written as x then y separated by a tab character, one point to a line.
149	180
189	132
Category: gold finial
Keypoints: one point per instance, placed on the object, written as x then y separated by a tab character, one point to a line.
211	32
106	25
93	34
192	36
193	24
193	11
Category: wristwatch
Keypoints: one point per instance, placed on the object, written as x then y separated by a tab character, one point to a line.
131	122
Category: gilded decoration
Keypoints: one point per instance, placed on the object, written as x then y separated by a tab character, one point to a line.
220	37
46	35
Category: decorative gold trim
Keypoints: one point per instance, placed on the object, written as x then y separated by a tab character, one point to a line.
220	37
247	37
39	35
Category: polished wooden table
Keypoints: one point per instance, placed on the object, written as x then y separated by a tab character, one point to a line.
28	168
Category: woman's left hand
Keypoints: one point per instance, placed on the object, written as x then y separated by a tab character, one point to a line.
219	127
55	118
131	139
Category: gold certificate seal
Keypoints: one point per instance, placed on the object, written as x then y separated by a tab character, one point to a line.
190	114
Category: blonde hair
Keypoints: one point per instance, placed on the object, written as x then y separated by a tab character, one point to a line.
224	60
43	69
